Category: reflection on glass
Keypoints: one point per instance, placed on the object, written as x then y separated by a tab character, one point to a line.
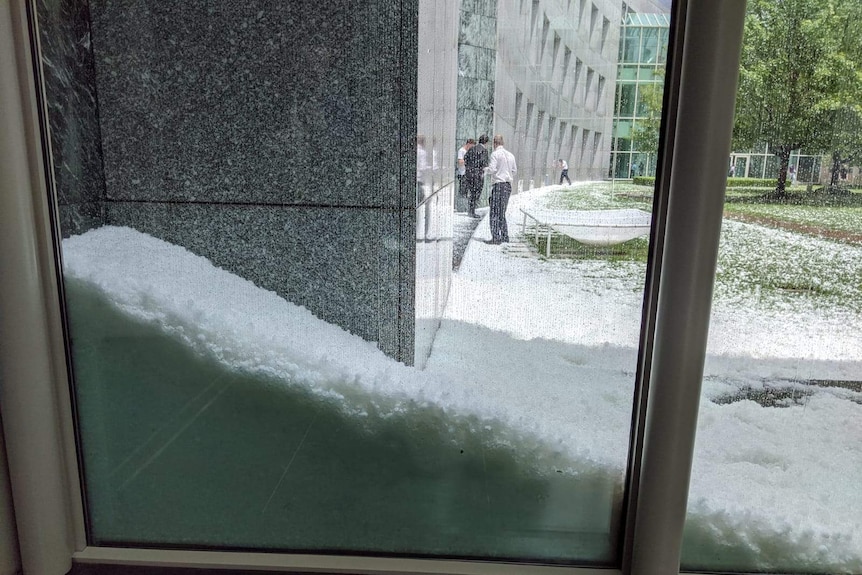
775	484
631	50
271	348
640	86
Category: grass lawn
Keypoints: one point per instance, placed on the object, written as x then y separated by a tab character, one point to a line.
596	196
797	254
842	223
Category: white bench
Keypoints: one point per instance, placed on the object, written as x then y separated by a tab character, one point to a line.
590	227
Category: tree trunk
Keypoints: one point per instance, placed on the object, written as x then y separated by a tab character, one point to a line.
836	167
784	159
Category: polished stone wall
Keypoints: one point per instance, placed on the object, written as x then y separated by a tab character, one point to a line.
555	78
436	151
477	55
274	138
67	66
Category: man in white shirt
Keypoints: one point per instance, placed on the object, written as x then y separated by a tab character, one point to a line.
564	171
502	169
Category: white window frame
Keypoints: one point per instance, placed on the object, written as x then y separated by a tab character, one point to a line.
37	418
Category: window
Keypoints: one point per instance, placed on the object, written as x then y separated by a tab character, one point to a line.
519	96
563	132
179	419
572	139
534	18
556	51
579	66
606	26
649	52
567	59
601	93
585	137
781	406
540	126
550	137
543	42
597	139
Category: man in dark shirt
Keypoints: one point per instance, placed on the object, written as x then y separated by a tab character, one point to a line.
475	162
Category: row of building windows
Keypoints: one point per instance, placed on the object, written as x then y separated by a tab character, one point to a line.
557	74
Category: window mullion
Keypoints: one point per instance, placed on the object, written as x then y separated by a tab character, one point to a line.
709	63
31	404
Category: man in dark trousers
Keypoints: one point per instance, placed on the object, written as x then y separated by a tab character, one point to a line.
475	162
564	171
502	169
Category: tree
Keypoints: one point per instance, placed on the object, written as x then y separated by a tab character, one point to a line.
797	73
845	141
845	123
645	134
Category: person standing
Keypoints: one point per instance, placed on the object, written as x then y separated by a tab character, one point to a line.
422	170
502	169
462	151
475	162
564	171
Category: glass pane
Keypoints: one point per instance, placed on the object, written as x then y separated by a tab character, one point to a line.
298	322
755	167
627	100
805	171
650	45
628	73
663	44
648	74
631	49
621	169
778	459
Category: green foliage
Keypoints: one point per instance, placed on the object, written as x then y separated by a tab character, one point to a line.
750	182
800	77
645	133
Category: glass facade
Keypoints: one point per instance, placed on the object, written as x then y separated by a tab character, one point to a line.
643	49
760	162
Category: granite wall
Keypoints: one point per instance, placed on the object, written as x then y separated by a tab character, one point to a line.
435	166
477	54
556	72
274	138
67	66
